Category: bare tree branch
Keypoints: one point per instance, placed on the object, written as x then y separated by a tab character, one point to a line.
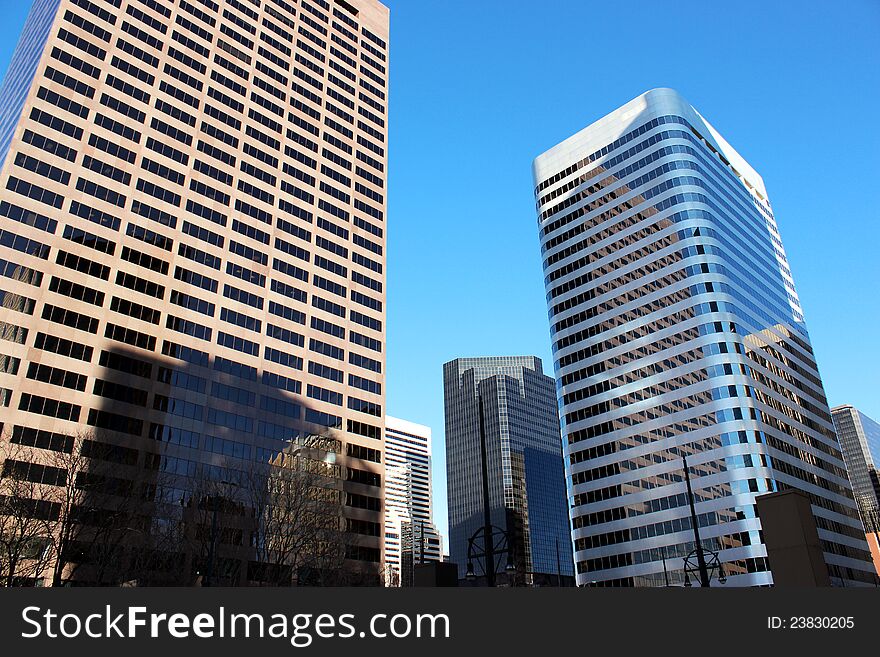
24	552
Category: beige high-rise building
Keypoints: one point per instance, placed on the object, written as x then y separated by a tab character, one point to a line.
192	235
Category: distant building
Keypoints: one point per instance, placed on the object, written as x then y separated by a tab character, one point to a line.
677	331
410	534
791	537
526	475
859	439
874	544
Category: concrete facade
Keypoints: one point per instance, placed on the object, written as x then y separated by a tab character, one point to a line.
410	532
193	233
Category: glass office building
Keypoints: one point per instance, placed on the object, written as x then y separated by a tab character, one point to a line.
192	235
23	67
677	332
859	439
524	463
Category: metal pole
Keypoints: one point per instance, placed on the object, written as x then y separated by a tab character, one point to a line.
665	571
701	560
487	516
558	566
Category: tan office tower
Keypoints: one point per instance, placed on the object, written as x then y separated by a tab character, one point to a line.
192	243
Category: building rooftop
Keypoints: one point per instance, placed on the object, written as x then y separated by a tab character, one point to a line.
649	105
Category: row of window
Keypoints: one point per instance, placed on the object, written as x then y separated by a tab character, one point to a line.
176	406
149	189
89	240
203	234
130	365
199	49
143	286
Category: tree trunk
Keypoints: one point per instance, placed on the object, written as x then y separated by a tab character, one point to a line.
10	576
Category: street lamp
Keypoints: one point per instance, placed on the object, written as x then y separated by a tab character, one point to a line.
696	561
495	541
712	564
499	544
665	570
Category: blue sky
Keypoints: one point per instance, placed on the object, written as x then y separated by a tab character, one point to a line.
480	87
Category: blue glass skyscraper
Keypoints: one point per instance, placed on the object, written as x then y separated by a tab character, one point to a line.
524	463
677	332
23	67
860	441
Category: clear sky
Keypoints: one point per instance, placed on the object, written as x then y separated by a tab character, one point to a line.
480	87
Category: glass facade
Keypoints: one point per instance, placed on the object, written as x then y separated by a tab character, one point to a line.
860	440
524	463
677	331
23	67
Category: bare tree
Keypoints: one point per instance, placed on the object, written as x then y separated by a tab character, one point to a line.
297	533
280	497
160	553
215	526
24	545
102	498
327	563
110	515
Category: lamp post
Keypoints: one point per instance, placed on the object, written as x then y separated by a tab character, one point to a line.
209	569
699	553
499	544
495	541
489	554
558	566
665	570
